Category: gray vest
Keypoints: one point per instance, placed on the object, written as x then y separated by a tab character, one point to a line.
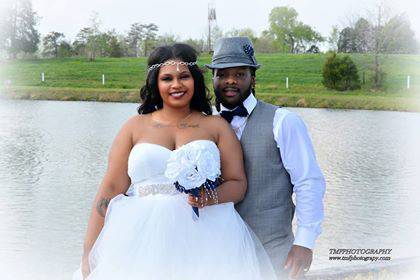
268	207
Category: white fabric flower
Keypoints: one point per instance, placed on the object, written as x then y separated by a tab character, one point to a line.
192	164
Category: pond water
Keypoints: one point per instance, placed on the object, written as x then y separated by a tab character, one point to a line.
53	156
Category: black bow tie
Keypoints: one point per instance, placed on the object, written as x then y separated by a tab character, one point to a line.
238	111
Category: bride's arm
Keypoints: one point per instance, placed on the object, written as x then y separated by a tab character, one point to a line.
234	186
115	181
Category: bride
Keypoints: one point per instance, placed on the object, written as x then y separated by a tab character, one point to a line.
150	217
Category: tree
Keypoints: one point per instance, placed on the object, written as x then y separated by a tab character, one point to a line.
282	22
377	42
135	37
3	31
51	43
247	32
166	39
116	48
362	35
65	49
356	39
125	48
86	42
149	36
398	36
340	73
333	38
198	44
82	41
293	35
18	31
103	44
346	41
306	38
267	43
216	33
378	34
313	49
365	37
93	35
107	42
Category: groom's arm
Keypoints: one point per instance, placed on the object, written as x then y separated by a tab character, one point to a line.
298	156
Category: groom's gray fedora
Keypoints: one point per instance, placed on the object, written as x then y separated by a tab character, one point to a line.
233	52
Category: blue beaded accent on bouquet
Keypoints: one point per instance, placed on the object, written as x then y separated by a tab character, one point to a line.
208	185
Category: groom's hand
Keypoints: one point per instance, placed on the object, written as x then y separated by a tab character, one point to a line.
298	261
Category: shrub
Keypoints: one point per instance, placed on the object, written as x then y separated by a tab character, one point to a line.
340	73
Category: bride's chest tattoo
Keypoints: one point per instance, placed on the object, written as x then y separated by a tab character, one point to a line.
180	126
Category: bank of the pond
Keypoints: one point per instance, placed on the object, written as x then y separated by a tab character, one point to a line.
345	100
118	80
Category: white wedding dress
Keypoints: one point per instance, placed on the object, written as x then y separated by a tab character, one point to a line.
150	233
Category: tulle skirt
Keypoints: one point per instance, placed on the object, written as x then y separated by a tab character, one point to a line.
156	237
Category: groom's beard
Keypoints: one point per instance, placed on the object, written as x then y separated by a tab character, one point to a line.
220	100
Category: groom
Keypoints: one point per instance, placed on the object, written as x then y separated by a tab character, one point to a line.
279	161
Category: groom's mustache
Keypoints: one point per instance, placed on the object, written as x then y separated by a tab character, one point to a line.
218	91
230	88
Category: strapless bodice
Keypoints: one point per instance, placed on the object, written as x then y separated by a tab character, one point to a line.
147	164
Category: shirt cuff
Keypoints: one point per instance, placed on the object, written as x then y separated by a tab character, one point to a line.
305	237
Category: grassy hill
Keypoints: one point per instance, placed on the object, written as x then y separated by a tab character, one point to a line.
80	79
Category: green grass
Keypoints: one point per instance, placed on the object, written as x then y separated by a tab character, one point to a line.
80	79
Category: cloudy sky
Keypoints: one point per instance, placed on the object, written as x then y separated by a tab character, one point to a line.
188	18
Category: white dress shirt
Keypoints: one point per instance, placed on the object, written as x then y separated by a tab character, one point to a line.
298	156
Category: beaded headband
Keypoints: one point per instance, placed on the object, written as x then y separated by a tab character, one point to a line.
171	62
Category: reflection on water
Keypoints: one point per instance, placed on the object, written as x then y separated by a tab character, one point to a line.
371	161
53	156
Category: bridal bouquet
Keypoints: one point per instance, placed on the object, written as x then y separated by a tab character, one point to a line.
194	166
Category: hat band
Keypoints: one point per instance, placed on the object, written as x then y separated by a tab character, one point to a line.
233	59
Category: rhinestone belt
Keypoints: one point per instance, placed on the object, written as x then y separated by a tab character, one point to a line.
139	190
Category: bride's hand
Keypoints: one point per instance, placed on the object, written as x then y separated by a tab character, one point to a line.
202	201
85	266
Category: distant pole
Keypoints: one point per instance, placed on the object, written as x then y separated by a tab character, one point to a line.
103	79
408	82
287	82
42	77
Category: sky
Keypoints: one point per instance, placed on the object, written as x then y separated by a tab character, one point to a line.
188	18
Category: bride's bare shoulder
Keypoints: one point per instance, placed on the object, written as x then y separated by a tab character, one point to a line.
217	124
137	120
217	121
133	125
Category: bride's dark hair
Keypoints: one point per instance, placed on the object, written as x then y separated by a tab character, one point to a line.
149	93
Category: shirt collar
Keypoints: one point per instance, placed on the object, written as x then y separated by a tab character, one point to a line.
249	103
